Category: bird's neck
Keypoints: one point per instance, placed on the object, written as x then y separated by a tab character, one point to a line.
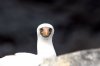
45	48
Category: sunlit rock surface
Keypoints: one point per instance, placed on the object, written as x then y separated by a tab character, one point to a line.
81	58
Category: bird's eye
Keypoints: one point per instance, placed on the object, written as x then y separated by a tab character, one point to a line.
50	29
41	29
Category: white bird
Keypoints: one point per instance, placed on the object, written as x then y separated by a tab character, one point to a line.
45	49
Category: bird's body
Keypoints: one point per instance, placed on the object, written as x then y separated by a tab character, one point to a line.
45	50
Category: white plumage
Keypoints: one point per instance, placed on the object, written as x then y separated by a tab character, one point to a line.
45	49
21	59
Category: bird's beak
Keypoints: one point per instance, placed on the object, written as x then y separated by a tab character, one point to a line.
45	32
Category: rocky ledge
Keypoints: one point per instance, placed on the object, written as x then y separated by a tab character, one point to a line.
89	57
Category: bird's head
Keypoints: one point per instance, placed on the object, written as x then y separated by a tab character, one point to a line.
45	30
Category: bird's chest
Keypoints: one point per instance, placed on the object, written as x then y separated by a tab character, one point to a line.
46	51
